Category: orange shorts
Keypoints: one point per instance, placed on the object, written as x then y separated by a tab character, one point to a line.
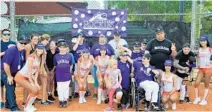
205	70
20	77
168	93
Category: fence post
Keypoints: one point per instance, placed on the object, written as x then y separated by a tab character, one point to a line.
193	24
12	19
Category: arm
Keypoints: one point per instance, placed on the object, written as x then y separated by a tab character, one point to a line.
76	45
173	50
28	50
129	59
29	64
120	79
176	65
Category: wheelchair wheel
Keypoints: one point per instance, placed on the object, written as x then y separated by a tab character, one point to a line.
132	95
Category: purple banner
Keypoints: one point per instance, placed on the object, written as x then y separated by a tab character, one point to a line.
93	22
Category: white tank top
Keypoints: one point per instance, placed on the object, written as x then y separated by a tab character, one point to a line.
204	58
103	63
35	66
84	67
168	84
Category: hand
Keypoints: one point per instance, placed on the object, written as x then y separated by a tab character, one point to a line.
148	70
173	47
10	80
186	69
78	40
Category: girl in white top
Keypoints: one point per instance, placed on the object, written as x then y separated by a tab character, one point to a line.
205	69
84	65
102	64
27	76
169	85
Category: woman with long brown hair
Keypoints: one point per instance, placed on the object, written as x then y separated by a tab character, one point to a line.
27	76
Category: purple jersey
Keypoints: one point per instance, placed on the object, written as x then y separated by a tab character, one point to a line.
63	63
125	73
137	56
79	50
141	72
13	57
95	51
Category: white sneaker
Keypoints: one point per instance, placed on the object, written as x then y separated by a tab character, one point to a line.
196	101
80	100
103	98
33	108
203	102
174	106
28	109
98	101
166	105
83	100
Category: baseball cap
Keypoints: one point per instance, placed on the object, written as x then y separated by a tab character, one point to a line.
203	38
148	56
22	40
117	33
62	44
101	36
158	30
60	40
40	46
123	54
80	34
168	63
136	44
186	45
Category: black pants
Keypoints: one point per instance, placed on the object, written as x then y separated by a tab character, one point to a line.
125	96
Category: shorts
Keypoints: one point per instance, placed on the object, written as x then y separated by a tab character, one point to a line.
168	93
20	77
205	70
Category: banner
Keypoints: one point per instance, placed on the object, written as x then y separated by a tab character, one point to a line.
93	22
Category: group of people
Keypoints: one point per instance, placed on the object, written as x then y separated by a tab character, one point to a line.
63	68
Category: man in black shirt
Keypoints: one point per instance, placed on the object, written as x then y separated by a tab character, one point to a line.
161	49
184	61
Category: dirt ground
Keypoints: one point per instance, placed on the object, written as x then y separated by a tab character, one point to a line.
91	105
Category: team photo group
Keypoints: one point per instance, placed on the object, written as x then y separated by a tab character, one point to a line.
61	71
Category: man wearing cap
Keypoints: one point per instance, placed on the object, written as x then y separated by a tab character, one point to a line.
183	62
95	51
117	42
161	49
5	44
143	45
144	76
78	48
11	63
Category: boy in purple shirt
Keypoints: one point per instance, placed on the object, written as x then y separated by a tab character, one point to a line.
63	64
11	63
125	68
144	75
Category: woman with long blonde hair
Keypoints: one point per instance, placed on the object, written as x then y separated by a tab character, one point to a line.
84	65
27	76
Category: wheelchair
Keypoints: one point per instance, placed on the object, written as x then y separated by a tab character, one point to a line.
138	94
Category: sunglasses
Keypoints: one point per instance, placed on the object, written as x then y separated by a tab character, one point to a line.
24	43
6	34
124	55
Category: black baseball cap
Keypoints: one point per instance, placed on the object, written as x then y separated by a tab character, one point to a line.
186	45
62	44
40	46
136	44
148	56
60	40
22	40
158	30
117	33
80	34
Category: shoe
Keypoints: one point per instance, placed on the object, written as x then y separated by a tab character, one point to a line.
33	108
95	96
70	98
155	106
109	109
28	109
65	104
203	102
51	98
45	103
76	95
174	106
98	102
119	107
60	104
88	93
146	105
196	101
181	101
83	99
55	94
166	105
1	104
80	100
6	105
187	100
16	109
